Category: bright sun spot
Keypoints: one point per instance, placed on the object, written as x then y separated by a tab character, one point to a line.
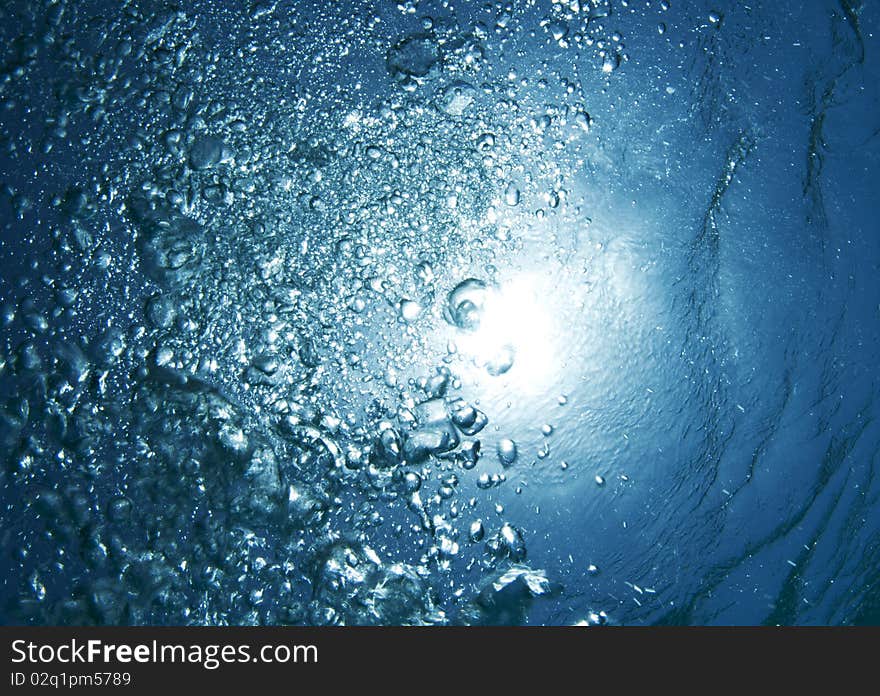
516	332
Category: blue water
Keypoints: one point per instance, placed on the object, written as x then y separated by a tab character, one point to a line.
439	313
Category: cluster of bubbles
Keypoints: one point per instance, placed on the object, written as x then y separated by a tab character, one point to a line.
222	404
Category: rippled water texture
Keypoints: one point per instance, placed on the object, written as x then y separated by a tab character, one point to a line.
438	313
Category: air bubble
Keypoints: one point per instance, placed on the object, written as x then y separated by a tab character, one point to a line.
507	452
410	311
511	195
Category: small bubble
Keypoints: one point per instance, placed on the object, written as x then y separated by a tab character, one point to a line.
485	142
464	304
507	452
610	63
409	310
501	362
457	98
558	30
206	152
511	195
164	355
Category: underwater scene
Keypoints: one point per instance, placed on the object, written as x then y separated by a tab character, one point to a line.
537	312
